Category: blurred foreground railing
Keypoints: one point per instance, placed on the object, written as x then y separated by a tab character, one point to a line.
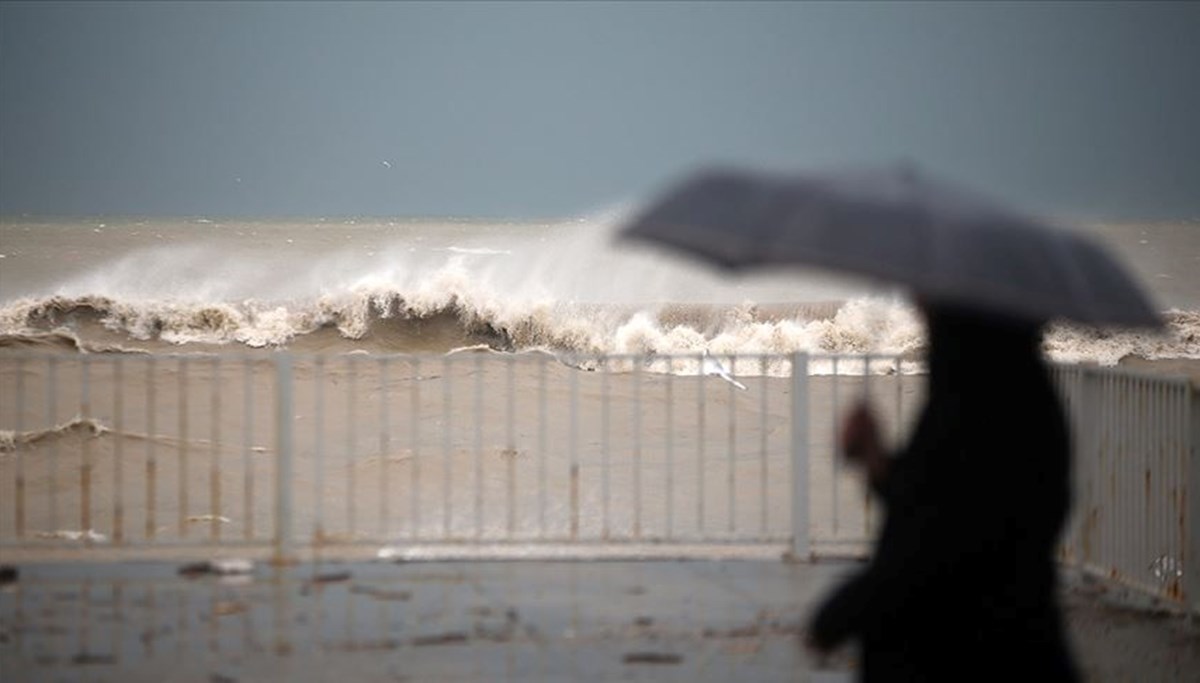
491	455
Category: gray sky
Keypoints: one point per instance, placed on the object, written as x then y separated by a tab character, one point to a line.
553	109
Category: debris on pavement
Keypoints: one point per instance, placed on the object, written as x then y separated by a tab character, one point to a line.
218	567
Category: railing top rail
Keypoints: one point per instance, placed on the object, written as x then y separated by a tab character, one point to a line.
1088	369
466	351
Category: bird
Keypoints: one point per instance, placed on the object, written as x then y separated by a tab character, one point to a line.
386	163
711	366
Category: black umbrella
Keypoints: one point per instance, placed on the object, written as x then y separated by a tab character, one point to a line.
944	243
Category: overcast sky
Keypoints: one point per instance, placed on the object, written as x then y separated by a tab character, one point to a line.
558	109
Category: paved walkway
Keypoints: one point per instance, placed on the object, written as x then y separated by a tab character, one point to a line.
474	621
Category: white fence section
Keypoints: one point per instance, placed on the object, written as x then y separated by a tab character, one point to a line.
468	449
141	450
1136	512
533	455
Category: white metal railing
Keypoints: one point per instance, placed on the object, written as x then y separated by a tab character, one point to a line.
527	451
463	449
1136	517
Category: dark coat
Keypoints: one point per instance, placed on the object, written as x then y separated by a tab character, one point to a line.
962	582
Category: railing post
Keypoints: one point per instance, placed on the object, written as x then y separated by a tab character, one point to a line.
1191	549
1085	466
283	464
801	544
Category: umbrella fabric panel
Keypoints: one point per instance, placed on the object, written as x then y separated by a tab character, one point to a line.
943	242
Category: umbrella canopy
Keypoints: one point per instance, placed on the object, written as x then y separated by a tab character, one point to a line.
944	243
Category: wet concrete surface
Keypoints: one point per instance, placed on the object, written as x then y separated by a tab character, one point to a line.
476	620
472	621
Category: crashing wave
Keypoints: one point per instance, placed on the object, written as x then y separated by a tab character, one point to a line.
387	320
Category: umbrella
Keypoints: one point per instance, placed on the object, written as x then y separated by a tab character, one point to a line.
945	243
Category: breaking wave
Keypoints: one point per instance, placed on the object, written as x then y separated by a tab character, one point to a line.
562	288
389	321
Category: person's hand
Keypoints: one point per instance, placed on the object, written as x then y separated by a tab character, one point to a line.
861	444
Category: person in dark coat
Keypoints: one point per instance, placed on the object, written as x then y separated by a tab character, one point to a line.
962	583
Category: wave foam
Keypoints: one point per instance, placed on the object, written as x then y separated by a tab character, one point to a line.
446	314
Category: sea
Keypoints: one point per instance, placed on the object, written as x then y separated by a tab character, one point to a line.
435	285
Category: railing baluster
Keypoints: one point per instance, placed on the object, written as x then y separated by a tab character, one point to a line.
85	470
637	449
700	437
19	498
151	438
604	447
800	455
214	452
248	370
866	490
182	467
1189	526
318	528
764	478
351	432
447	425
573	456
478	401
52	420
118	533
414	428
510	445
732	449
835	455
284	473
542	418
669	420
385	438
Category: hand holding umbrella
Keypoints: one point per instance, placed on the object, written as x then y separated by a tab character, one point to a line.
861	444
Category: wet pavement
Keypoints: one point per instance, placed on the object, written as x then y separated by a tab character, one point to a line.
658	620
467	621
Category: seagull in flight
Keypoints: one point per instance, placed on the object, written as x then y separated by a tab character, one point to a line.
711	366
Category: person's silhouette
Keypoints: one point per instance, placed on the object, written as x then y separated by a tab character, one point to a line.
964	569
